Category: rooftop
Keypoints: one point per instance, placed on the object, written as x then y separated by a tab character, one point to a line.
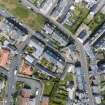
24	98
26	69
4	55
26	93
45	101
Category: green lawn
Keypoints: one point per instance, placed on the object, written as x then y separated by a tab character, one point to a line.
2	39
1	18
34	1
3	78
30	50
79	14
103	95
57	101
48	86
39	75
34	20
37	1
102	84
44	62
69	77
20	85
97	21
59	94
3	92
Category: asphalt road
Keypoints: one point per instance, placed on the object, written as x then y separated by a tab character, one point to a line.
12	79
93	64
83	60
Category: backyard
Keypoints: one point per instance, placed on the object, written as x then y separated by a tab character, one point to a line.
79	14
97	21
3	80
59	94
44	62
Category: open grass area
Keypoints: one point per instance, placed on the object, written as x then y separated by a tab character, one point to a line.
59	94
48	86
34	20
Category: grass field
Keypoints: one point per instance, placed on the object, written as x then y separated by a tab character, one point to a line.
59	94
34	20
48	86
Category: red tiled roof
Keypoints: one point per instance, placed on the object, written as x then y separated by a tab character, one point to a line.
26	69
4	57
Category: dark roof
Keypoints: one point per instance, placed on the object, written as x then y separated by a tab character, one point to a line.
82	34
77	64
55	55
101	62
12	47
16	24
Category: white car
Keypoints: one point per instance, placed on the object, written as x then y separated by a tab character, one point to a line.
37	92
15	72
